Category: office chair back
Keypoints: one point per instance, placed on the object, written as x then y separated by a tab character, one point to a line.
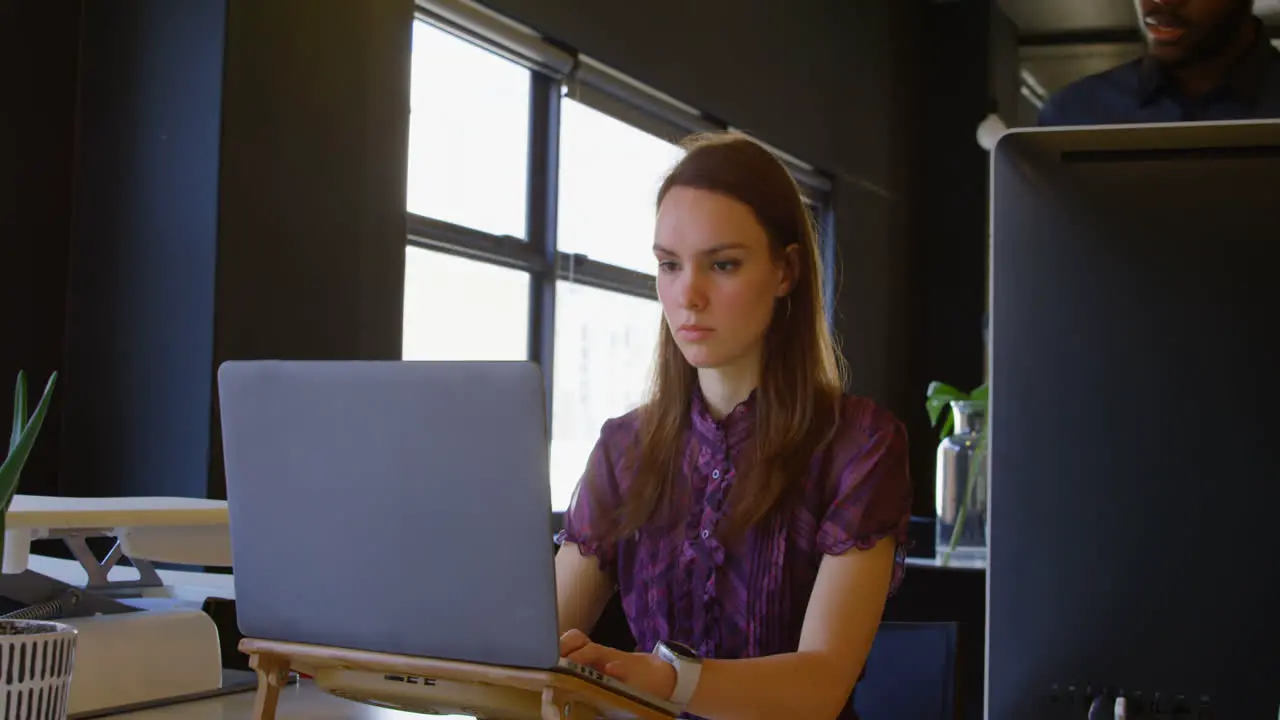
910	673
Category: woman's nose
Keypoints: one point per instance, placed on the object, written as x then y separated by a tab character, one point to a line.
692	292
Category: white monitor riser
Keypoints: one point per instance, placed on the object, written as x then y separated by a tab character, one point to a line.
143	636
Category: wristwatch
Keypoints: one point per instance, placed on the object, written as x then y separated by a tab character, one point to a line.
688	668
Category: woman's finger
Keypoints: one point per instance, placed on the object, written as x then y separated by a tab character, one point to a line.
571	641
617	669
589	654
594	655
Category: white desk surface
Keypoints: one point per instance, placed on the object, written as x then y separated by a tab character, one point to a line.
296	703
42	511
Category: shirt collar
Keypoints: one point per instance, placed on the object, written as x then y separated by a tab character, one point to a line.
733	430
1244	79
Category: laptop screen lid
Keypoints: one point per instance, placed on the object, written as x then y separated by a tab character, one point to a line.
399	507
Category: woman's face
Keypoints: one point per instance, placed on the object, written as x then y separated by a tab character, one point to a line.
717	279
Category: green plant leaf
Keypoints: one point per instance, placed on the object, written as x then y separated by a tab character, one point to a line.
19	410
11	470
979	393
938	397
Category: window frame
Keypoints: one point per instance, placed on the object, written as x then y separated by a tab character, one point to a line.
556	72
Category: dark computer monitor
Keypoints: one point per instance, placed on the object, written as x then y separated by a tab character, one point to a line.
1134	420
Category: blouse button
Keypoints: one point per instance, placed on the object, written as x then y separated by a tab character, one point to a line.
715	474
706	533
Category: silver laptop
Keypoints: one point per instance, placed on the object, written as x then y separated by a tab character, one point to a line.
399	507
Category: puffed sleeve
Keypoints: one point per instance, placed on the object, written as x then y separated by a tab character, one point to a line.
872	493
595	503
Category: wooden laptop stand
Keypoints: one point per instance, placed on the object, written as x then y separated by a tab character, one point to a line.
540	694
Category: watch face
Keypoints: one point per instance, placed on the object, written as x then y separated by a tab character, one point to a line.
681	649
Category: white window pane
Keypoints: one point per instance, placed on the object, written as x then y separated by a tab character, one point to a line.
605	344
459	309
609	178
468	134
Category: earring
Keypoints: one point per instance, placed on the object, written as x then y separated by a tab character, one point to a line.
788	310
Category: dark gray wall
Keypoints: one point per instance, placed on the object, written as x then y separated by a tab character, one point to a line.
815	77
967	64
144	248
38	58
239	194
1005	66
315	137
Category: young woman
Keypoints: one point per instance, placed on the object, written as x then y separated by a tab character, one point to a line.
750	513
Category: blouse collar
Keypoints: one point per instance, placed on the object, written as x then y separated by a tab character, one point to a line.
733	430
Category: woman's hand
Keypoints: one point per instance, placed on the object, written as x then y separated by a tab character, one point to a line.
641	671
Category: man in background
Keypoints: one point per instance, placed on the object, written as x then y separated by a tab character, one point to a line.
1204	60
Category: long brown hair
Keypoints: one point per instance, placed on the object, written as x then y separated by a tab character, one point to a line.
801	377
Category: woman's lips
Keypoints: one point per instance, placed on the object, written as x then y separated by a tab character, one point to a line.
694	332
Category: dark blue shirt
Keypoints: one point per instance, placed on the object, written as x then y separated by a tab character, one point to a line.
1140	92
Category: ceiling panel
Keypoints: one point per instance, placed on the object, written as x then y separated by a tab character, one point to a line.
1052	17
1036	17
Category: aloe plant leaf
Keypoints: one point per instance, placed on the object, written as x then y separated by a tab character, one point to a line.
11	470
19	410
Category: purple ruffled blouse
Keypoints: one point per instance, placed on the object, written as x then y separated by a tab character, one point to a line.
748	599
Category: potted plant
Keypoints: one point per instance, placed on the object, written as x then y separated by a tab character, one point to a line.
36	656
961	469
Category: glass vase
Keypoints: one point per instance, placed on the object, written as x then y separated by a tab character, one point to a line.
961	492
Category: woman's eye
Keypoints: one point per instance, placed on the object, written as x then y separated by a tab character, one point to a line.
666	266
725	265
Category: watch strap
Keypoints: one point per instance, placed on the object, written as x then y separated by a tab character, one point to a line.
688	672
687	675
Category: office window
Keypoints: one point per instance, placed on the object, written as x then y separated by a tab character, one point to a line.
468	134
609	178
605	344
468	149
604	340
460	309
